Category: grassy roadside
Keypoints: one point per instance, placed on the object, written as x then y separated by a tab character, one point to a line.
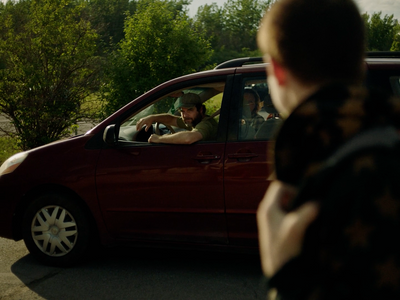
7	148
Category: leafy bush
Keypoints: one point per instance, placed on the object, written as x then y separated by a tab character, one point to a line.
42	90
160	43
8	147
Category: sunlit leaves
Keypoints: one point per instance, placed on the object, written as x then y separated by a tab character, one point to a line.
160	43
48	67
383	33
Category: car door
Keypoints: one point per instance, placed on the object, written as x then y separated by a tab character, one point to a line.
248	166
164	192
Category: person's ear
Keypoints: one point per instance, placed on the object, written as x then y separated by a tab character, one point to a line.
279	71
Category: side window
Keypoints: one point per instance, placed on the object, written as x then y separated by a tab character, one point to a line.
258	118
163	105
386	80
210	96
395	82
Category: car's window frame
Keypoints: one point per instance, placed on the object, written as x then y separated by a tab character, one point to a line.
184	85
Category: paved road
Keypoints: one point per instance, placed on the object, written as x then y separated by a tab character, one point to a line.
5	124
127	273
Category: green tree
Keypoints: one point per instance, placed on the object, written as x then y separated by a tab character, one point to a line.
48	68
160	43
107	17
233	28
396	39
396	42
210	21
242	19
382	33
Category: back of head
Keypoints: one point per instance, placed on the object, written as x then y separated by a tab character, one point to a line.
319	41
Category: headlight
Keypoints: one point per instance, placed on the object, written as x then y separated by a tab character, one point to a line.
12	163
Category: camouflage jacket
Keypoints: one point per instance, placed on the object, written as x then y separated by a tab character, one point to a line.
341	147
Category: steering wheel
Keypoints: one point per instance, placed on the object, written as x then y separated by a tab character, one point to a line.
142	135
158	131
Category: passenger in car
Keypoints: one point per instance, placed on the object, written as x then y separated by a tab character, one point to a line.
328	224
270	126
252	99
193	118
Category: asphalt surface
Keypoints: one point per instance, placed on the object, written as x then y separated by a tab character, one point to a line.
5	124
128	273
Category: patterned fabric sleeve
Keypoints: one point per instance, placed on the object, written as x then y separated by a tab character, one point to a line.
351	251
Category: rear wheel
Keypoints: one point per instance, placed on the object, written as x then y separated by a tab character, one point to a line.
56	230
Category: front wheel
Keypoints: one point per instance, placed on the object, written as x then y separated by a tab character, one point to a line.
56	230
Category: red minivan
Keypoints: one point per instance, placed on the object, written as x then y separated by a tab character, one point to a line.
110	186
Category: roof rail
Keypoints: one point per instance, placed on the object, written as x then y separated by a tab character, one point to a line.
384	54
239	62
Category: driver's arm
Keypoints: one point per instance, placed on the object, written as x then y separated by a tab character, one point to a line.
166	119
181	137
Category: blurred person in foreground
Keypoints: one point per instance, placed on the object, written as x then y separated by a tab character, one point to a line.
329	222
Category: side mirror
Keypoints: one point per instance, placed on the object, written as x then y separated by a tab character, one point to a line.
109	135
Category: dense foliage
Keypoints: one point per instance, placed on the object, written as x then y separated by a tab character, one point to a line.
231	29
57	55
48	68
383	34
157	47
7	148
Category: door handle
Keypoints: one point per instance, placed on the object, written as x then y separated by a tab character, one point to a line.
206	158
243	157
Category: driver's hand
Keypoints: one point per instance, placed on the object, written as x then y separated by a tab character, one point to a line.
146	121
154	138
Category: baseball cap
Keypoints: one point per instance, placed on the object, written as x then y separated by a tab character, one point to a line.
189	100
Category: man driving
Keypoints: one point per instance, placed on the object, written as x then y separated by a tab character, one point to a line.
193	118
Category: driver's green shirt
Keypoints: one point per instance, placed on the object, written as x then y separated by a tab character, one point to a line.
207	127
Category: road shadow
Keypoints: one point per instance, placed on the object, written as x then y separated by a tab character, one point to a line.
130	273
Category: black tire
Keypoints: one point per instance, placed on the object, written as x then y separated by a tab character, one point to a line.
56	230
